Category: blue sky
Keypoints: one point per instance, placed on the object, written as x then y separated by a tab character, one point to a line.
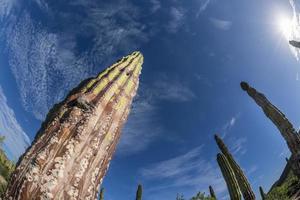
196	53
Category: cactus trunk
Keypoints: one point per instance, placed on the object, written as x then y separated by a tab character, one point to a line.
72	151
285	127
244	184
229	176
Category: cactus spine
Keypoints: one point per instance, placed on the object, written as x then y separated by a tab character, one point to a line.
229	177
212	192
139	192
262	193
244	184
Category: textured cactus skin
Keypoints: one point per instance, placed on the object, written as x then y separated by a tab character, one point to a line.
285	127
212	192
244	185
262	193
229	176
139	193
72	151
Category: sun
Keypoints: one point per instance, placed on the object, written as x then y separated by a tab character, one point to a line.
285	26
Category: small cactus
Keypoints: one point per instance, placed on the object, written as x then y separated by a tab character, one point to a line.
139	192
262	193
212	192
229	176
102	194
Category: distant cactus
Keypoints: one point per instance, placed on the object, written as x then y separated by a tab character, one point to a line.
244	184
212	192
229	176
262	193
179	197
139	193
102	194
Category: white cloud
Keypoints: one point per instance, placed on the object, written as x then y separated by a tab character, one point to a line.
189	169
229	125
16	141
221	24
285	153
156	5
143	125
252	170
5	7
177	19
202	6
204	80
140	129
47	65
237	145
172	90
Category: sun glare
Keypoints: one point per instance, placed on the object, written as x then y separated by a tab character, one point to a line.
286	26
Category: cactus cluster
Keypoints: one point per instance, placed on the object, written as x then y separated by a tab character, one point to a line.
236	181
243	183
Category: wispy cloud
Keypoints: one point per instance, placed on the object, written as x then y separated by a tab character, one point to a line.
190	169
156	5
229	125
177	15
284	153
221	24
5	7
47	64
144	125
204	79
252	170
202	6
172	90
141	127
237	145
16	141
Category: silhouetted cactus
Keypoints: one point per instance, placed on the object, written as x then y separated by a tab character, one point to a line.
212	192
244	184
262	193
139	192
229	176
102	194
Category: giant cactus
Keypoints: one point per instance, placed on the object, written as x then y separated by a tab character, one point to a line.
285	127
229	176
72	151
244	184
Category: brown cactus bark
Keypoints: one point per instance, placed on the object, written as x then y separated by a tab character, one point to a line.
72	151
